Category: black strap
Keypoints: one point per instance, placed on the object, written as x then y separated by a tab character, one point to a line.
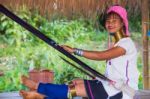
117	96
49	41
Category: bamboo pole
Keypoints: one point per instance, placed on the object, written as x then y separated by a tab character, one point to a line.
145	18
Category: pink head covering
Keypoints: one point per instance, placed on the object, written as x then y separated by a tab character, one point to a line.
123	14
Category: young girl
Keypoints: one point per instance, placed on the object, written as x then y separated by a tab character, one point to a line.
121	65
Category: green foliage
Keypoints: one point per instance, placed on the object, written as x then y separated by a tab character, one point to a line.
135	23
140	71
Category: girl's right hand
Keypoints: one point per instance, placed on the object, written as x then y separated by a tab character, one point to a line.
68	48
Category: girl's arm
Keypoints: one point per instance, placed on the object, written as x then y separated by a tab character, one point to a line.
104	55
100	55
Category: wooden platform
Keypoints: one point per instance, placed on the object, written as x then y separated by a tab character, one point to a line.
10	95
15	95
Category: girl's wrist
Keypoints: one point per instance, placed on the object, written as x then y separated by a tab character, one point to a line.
73	50
78	52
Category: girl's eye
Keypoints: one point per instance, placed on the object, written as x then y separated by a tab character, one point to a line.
112	21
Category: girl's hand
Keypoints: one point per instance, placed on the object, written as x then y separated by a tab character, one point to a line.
68	49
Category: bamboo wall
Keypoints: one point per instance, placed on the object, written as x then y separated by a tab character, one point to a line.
71	8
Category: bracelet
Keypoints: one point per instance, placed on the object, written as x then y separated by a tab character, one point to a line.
78	52
72	90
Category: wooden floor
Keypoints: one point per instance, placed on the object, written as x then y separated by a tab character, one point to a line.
15	95
10	95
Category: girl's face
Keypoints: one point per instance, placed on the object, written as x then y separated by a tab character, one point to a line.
113	23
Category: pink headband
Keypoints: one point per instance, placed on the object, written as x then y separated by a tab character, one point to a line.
123	14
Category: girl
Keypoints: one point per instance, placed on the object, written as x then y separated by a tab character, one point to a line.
121	65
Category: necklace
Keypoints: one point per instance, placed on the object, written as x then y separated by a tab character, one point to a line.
117	36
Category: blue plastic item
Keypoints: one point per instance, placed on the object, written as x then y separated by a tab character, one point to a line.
148	33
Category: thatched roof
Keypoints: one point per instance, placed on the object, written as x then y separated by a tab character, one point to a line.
87	8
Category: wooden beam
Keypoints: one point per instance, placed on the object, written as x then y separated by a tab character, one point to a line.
145	27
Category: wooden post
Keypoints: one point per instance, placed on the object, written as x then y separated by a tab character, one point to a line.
145	19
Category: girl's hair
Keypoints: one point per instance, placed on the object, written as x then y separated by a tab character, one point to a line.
112	14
